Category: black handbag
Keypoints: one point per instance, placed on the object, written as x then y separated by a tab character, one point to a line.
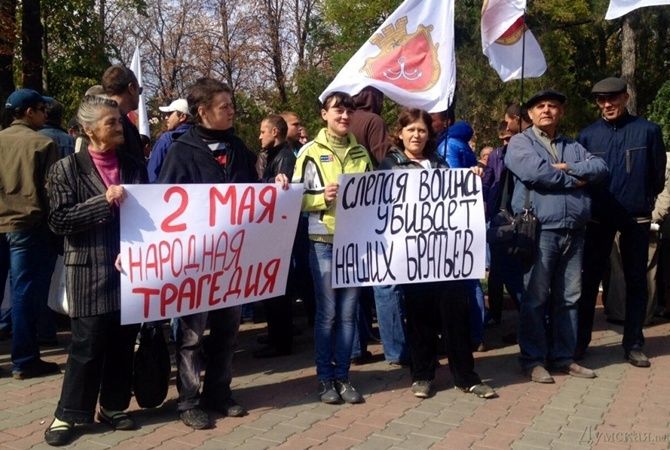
514	235
151	372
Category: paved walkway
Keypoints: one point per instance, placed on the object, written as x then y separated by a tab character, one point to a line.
625	407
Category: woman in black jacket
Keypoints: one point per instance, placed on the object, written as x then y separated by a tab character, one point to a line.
84	196
436	307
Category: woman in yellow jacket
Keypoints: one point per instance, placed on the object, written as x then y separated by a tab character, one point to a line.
320	162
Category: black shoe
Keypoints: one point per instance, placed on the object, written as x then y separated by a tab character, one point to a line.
119	421
231	408
195	418
328	394
5	334
35	369
347	392
637	358
58	435
263	339
270	352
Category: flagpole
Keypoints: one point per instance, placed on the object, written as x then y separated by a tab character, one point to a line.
523	63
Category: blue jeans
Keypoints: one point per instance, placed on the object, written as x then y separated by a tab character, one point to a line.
335	317
390	318
552	287
31	263
5	313
477	311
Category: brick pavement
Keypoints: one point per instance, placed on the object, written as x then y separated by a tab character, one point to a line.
624	408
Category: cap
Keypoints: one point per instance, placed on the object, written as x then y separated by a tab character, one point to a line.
609	86
546	94
25	98
180	105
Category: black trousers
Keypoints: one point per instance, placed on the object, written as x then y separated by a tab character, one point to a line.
279	316
100	362
440	308
634	246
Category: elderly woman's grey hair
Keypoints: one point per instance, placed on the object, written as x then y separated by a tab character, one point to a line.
91	108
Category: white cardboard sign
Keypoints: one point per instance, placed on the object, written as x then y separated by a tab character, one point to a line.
192	248
409	226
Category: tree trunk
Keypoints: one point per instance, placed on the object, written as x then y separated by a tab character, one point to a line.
628	54
7	46
31	45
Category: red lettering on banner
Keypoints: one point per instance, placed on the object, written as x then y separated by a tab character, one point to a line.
179	258
234	285
270	272
268	202
187	293
152	262
147	293
167	225
215	288
215	195
169	293
248	203
132	264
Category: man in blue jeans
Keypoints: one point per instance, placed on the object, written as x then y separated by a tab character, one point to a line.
551	173
25	158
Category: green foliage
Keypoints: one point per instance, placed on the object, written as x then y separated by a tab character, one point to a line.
659	112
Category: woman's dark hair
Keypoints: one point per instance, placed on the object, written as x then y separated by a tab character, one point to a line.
338	99
202	92
408	116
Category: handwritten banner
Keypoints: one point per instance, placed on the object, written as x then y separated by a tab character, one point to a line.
409	226
187	249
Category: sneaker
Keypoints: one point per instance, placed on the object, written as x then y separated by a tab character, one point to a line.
58	435
35	369
195	418
348	393
482	390
363	358
422	388
118	420
328	393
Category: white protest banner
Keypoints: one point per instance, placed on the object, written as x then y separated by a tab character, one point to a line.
409	226
192	248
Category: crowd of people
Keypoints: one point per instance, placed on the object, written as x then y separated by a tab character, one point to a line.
60	194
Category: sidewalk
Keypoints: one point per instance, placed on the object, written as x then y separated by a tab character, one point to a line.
625	407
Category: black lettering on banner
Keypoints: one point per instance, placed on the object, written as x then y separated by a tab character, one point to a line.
372	263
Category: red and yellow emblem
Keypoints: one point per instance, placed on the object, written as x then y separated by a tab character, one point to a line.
408	61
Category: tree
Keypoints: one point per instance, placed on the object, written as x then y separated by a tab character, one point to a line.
31	45
7	46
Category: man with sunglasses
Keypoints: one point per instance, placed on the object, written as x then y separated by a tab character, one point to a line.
120	84
635	155
25	158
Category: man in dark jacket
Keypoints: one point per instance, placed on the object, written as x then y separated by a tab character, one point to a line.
276	157
178	122
635	155
25	158
368	126
551	172
120	84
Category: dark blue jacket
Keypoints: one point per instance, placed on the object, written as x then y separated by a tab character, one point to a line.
634	152
493	181
556	199
161	148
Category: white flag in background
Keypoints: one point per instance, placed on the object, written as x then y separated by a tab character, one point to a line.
503	30
410	58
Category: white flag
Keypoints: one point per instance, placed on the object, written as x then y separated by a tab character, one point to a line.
503	34
142	119
410	58
620	8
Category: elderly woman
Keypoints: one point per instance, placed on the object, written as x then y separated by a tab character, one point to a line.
437	307
209	152
84	195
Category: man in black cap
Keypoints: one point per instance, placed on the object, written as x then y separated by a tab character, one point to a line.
25	158
633	150
551	172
